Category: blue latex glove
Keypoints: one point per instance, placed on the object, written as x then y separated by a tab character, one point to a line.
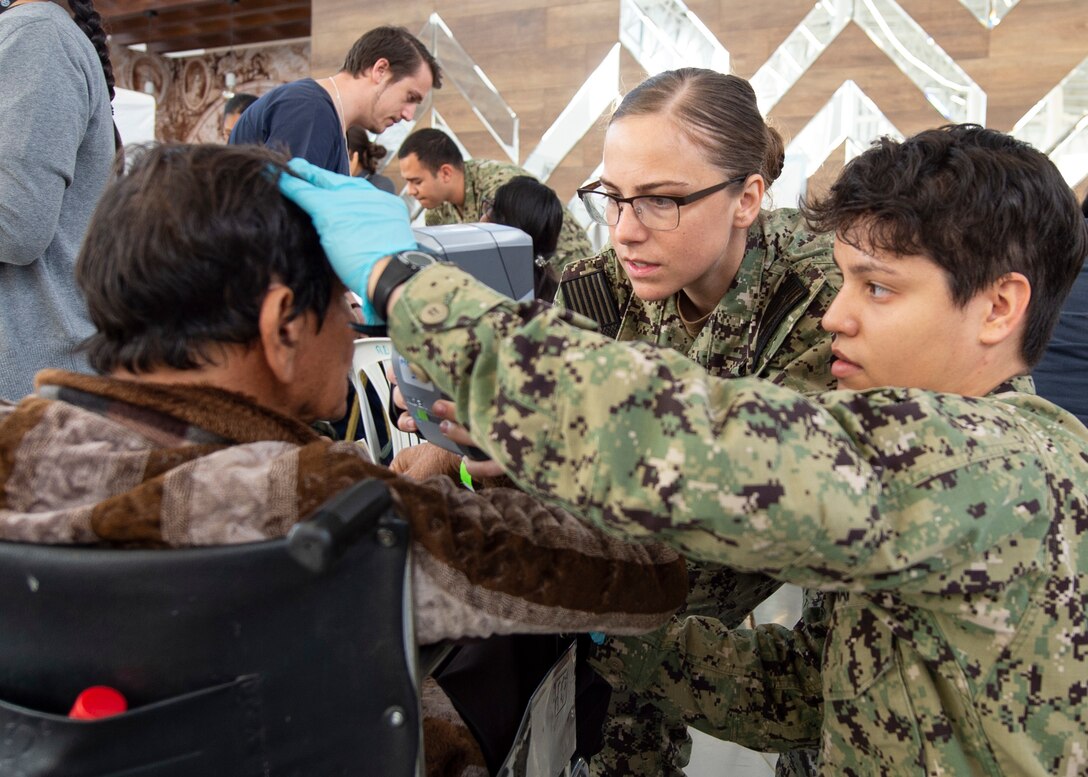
357	223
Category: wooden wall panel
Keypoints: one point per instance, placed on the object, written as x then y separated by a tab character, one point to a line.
538	53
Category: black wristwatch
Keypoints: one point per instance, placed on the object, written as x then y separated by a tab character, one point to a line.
401	267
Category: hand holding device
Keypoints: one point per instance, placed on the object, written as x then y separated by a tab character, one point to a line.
419	395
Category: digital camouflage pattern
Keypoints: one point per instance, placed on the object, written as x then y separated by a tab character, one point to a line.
482	178
769	716
949	530
639	738
798	351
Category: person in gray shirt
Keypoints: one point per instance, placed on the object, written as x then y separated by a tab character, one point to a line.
59	147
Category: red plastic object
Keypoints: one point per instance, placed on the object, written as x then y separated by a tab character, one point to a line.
98	701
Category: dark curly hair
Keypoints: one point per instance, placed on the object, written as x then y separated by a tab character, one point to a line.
977	202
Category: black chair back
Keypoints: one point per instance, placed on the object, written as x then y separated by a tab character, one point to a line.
288	657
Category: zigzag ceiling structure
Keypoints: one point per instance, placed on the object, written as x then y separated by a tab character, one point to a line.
665	34
989	12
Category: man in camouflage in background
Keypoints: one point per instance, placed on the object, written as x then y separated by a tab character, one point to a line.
455	190
941	504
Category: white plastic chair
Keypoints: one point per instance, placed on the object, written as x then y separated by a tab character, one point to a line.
372	356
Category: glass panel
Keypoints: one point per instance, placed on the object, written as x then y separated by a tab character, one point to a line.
849	117
1056	115
801	48
989	12
944	83
664	35
463	72
1071	155
581	115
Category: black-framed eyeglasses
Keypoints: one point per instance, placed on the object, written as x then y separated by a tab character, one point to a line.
660	212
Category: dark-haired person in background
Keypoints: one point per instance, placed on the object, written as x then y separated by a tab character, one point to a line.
363	158
535	209
386	76
1062	374
232	111
59	144
459	191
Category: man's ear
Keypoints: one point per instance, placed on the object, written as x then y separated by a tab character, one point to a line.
280	334
750	202
379	70
1007	304
445	173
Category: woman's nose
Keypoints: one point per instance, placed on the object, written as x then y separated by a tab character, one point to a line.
628	228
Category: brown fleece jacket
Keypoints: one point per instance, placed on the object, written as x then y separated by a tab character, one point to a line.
101	460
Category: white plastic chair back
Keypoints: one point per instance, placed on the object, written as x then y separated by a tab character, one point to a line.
372	356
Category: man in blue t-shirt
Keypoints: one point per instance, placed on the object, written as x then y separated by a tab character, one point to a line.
386	75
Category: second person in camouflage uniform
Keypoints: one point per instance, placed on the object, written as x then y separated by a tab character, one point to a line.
941	503
455	190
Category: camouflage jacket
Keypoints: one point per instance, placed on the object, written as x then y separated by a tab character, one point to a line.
767	324
951	528
482	178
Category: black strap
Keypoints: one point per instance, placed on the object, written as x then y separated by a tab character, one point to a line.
789	292
396	272
591	296
370	330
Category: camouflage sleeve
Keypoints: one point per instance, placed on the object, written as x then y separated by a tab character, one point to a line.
801	349
855	491
802	361
760	688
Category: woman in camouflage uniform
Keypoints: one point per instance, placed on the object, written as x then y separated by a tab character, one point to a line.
695	264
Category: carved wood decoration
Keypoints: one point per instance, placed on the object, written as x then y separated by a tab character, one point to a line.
188	91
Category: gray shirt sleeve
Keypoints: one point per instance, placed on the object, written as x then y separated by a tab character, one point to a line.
42	138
